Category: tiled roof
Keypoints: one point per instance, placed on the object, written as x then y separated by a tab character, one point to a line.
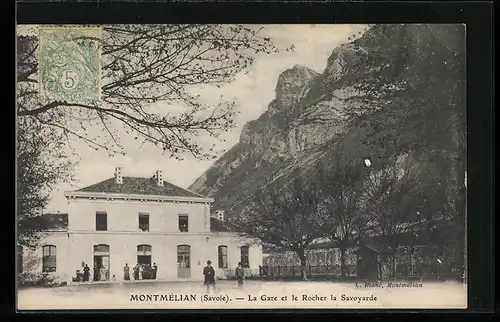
374	247
217	225
140	186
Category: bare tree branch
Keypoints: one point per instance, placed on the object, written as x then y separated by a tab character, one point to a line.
284	215
152	65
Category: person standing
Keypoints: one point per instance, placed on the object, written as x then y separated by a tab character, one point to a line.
155	270
102	274
126	272
86	273
240	274
209	273
141	272
136	272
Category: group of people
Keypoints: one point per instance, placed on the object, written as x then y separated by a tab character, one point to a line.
99	273
209	273
139	272
150	272
142	271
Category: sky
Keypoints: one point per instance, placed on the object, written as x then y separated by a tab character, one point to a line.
252	93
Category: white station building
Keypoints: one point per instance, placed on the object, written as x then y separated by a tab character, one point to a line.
131	220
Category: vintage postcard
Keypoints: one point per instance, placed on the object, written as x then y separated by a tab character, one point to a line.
241	166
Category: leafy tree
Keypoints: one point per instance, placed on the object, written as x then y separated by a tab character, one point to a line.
284	215
390	200
150	74
341	194
441	206
419	77
41	163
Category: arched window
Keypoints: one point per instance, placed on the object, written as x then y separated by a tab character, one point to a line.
48	258
101	262
184	254
144	253
222	255
101	249
244	256
184	261
144	249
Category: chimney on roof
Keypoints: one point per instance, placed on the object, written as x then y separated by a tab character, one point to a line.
159	178
118	175
219	214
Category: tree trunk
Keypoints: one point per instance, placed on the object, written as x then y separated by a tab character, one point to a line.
303	264
394	263
342	261
410	269
460	259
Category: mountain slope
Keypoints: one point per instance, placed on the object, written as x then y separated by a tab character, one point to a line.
398	90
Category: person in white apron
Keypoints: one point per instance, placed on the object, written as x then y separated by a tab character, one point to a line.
102	272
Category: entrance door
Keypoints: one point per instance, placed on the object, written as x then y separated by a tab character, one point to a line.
143	260
368	267
184	261
101	263
144	253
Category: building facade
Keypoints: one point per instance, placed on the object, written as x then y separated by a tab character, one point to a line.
144	221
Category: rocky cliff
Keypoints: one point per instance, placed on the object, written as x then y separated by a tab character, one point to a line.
399	89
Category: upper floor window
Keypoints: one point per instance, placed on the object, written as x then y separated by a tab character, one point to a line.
183	223
49	258
244	256
144	221
101	221
222	251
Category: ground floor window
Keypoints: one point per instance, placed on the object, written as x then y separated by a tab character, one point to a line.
48	258
222	252
184	261
245	262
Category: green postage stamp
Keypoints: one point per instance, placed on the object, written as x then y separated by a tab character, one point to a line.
69	64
